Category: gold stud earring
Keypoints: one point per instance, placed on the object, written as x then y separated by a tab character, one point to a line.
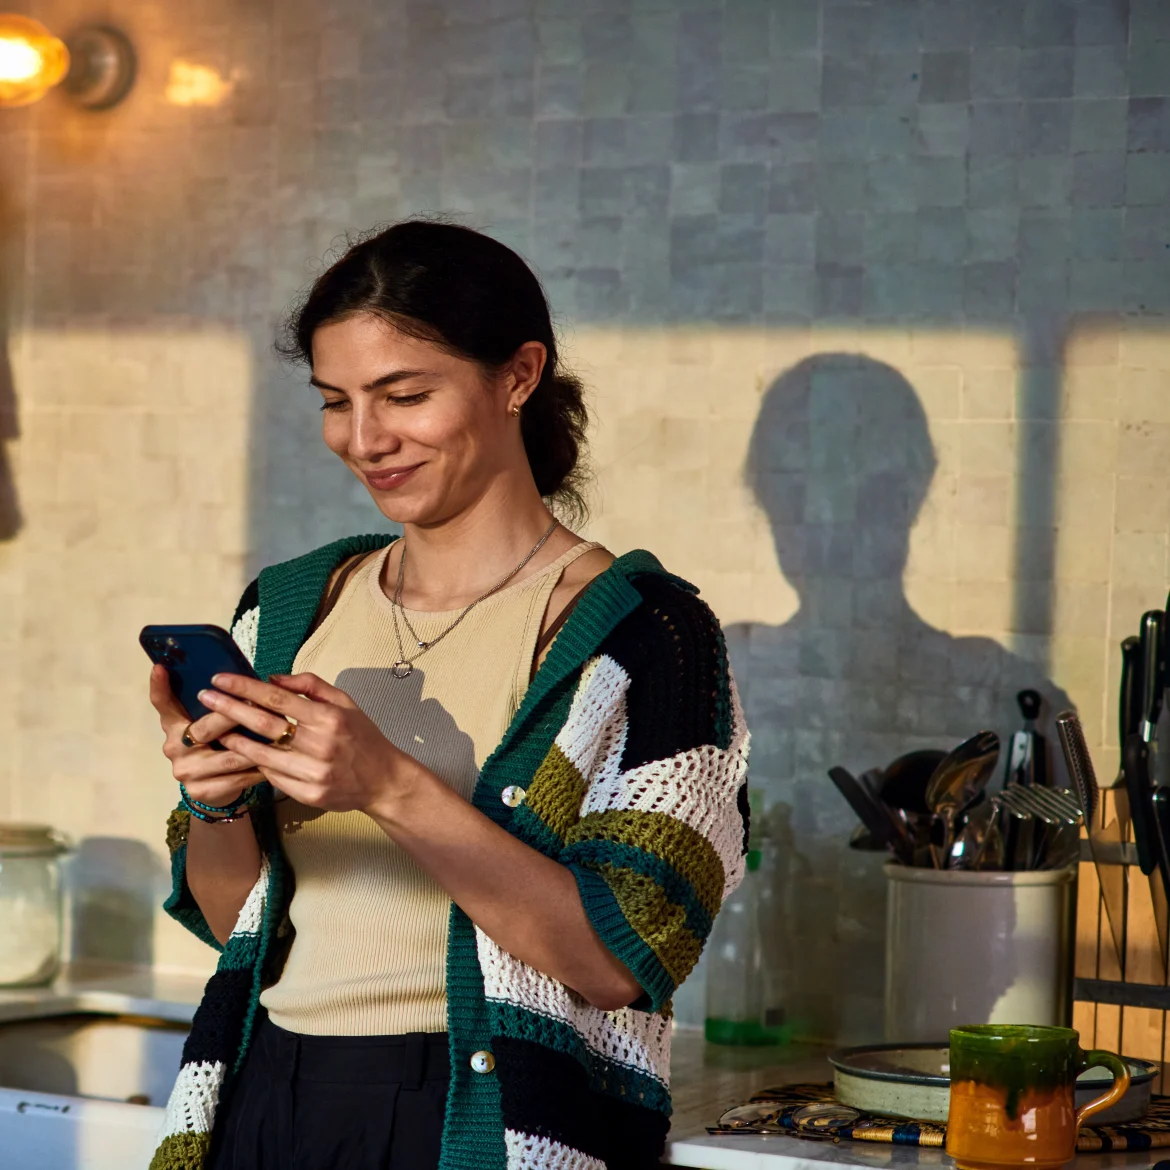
515	412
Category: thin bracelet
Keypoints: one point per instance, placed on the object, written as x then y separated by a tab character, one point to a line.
236	816
245	800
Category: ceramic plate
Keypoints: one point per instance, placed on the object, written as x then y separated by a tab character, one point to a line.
913	1081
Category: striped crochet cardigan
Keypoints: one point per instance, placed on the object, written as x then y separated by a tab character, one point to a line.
631	745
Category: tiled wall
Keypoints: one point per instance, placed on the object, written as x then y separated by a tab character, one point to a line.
874	299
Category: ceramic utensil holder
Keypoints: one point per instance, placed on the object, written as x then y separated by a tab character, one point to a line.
976	948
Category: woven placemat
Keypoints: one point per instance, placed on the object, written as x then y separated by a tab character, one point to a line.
1150	1133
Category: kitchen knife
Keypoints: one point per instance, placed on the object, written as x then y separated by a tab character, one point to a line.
1129	714
1153	650
1110	877
1136	761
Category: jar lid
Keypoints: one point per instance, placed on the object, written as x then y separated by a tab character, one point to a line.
16	838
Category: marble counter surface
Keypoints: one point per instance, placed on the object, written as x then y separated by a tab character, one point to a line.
121	990
707	1078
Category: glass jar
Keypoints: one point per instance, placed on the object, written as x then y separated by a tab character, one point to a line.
30	904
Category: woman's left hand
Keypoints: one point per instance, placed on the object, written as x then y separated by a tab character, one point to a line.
338	760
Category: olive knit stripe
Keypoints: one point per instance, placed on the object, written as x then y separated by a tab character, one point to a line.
556	793
181	1151
594	854
660	834
659	922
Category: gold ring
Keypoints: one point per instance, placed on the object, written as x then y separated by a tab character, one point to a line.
186	737
285	738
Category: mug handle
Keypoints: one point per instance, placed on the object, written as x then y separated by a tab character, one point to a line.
1117	1090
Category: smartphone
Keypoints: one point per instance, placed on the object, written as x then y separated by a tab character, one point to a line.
192	655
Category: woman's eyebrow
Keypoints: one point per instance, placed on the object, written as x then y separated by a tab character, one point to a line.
385	380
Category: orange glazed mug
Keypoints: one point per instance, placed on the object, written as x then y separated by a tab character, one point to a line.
1012	1092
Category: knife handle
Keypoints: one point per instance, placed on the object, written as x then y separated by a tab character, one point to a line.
1136	766
1128	714
1153	671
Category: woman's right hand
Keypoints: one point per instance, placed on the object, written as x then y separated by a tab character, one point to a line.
209	776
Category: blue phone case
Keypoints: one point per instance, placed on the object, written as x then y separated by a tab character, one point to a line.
192	655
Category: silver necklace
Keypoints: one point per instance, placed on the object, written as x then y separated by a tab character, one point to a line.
404	667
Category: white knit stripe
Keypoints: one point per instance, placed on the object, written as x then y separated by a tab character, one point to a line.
192	1103
698	787
596	726
245	630
528	1152
251	916
635	1040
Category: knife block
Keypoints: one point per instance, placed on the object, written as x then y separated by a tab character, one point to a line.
1120	1007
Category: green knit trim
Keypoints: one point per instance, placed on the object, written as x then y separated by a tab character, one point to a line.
181	1151
623	941
473	1125
605	1076
556	792
680	846
595	854
290	593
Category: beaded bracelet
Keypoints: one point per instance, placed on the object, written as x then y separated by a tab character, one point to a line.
227	812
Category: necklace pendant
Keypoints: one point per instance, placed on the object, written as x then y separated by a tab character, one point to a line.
403	670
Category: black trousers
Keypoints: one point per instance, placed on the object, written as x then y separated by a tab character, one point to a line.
323	1102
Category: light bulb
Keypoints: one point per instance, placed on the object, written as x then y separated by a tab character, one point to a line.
32	60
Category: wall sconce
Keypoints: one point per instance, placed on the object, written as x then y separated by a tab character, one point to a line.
95	66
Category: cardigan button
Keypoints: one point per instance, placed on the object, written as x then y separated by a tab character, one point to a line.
513	795
482	1061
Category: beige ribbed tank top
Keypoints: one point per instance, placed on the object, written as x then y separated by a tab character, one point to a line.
369	956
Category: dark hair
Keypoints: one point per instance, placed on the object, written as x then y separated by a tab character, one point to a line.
475	298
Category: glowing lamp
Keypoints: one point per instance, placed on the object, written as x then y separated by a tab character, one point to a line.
95	67
32	60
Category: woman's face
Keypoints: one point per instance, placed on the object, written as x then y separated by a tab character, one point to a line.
426	432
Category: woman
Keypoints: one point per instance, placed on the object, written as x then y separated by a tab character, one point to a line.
506	770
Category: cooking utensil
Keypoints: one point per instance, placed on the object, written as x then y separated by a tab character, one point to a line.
1020	833
1053	806
971	837
1111	878
1027	757
958	779
905	779
872	814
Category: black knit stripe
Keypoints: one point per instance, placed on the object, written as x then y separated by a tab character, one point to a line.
672	649
546	1093
636	1137
249	600
218	1025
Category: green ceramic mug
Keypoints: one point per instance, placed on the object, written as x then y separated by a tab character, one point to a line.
1012	1095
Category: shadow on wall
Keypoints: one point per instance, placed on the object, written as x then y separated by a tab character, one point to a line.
116	883
9	508
840	461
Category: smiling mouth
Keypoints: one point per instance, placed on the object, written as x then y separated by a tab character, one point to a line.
390	477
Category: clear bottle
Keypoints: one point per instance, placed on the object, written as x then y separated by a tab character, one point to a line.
739	1010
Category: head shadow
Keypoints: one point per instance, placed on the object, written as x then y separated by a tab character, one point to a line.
841	462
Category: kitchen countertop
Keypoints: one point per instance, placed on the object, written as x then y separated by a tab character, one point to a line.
707	1079
117	989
